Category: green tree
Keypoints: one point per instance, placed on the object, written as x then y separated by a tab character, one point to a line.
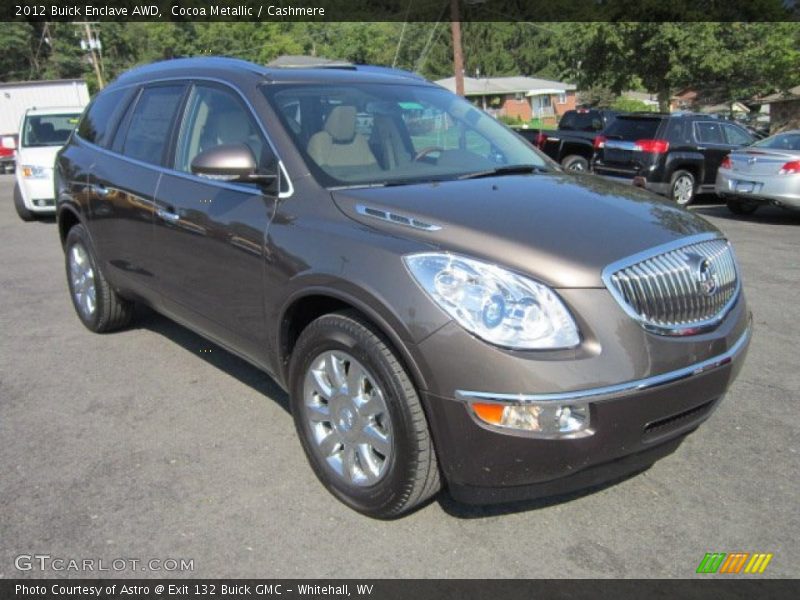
19	51
728	60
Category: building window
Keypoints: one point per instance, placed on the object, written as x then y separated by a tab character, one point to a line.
562	98
519	96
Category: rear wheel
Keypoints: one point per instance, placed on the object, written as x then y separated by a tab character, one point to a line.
682	188
741	207
359	417
573	162
24	213
98	306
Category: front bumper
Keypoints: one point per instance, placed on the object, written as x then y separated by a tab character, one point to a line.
781	190
634	421
38	194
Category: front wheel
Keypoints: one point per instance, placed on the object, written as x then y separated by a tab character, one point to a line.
682	188
573	162
359	417
23	211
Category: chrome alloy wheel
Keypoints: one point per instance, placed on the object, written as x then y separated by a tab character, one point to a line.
348	418
682	190
82	278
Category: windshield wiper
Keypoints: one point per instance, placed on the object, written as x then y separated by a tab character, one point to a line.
505	170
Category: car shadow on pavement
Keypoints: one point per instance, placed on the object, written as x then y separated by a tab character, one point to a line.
470	511
769	215
212	354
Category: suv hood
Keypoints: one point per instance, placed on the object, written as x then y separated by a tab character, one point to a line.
561	229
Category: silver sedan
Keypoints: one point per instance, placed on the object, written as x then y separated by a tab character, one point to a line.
767	172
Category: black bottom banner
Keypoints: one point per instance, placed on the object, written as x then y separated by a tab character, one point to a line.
393	589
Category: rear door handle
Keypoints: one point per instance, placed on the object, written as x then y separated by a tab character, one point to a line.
100	190
167	215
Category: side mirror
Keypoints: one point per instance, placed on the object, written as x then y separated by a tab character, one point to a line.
230	162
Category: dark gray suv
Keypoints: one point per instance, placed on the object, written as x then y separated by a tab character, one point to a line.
442	303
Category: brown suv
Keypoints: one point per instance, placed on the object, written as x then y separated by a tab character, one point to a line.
442	303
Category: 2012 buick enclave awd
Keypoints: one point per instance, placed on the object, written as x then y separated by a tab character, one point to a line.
442	303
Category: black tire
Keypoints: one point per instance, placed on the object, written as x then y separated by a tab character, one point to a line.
412	472
23	212
111	311
741	207
678	192
573	162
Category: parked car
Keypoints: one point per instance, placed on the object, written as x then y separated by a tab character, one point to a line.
571	144
676	155
8	147
42	133
768	172
442	306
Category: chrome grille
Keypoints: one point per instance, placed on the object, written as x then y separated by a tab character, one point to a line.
678	290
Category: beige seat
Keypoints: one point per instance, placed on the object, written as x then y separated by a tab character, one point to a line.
388	144
232	127
338	144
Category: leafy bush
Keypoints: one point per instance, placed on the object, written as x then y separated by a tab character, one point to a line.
631	105
509	120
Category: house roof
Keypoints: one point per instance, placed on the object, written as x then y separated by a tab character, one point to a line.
792	94
715	108
642	96
530	86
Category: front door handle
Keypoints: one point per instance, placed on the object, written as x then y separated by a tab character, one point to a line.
167	215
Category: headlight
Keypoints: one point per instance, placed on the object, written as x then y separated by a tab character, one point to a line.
34	172
497	305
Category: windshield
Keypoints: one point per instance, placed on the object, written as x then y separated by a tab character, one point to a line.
48	130
782	141
379	134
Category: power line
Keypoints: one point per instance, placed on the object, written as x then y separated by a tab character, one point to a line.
402	33
424	54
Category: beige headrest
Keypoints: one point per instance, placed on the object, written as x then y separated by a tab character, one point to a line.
341	123
233	127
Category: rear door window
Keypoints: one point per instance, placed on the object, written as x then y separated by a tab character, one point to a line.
97	124
151	123
632	129
581	121
709	132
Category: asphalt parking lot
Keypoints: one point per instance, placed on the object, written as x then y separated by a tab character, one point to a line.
153	443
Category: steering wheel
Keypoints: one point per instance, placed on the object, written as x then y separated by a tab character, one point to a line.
425	151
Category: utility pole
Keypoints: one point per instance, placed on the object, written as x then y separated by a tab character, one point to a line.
458	53
93	46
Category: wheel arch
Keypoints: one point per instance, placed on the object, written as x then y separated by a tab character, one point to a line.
303	308
684	161
67	217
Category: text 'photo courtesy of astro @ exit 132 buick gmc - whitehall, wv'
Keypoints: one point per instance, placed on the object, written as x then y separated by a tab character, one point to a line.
446	307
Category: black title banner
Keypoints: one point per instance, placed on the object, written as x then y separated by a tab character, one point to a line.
394	589
400	10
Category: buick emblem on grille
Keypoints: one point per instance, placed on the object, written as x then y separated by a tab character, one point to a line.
706	276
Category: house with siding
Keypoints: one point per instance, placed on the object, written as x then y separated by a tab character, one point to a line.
784	110
524	97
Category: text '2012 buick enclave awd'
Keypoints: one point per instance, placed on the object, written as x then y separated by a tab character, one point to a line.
442	303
